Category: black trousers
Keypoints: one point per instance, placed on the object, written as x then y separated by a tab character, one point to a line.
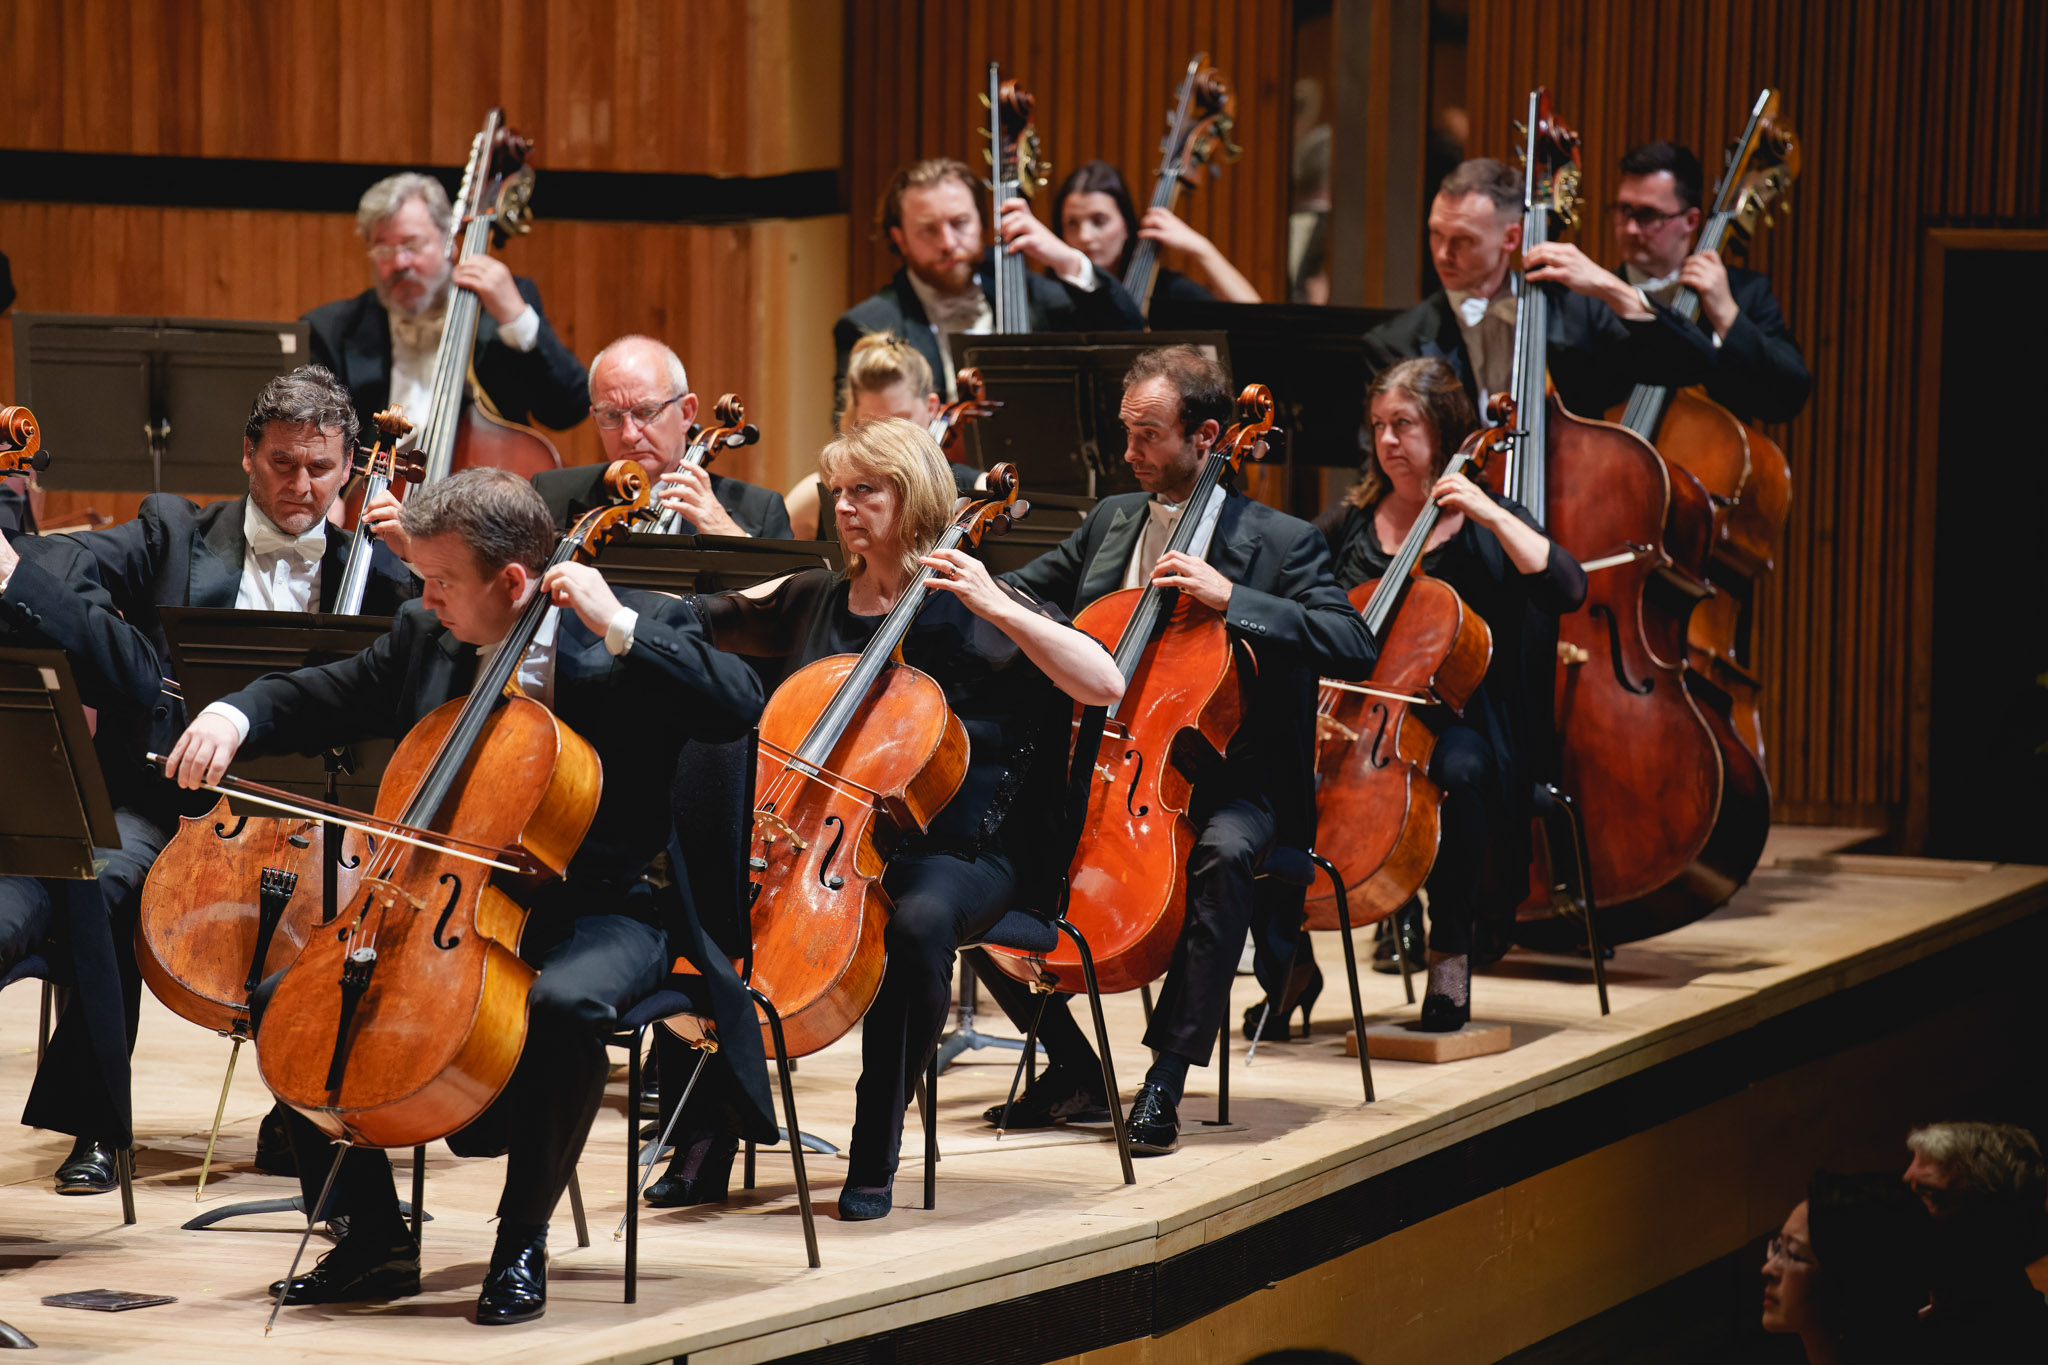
82	1086
592	967
1188	1015
939	900
1463	769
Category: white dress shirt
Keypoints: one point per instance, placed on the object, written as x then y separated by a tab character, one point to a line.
972	313
1161	517
279	572
414	342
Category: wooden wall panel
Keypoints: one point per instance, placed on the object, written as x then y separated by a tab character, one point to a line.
1912	115
1104	75
719	295
728	87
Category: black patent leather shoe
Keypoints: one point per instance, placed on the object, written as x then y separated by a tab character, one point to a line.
517	1289
1402	928
1055	1097
1154	1124
90	1169
359	1270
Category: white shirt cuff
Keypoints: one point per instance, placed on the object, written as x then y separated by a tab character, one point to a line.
5	579
523	332
1085	282
234	718
618	636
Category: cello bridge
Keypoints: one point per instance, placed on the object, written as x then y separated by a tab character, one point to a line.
773	827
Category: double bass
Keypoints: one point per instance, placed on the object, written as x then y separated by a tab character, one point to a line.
1016	171
1127	885
855	750
1377	811
1674	820
1197	131
402	1024
1743	469
462	429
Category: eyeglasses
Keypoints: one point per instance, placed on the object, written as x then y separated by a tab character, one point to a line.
1642	215
418	248
611	419
1777	1250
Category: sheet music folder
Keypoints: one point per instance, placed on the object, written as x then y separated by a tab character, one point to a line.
216	652
62	812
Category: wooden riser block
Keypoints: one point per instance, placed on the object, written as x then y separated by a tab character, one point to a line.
1398	1043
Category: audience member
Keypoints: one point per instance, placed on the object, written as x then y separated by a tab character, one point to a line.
1847	1271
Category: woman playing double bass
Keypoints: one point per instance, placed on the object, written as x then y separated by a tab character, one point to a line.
633	676
1010	668
1489	551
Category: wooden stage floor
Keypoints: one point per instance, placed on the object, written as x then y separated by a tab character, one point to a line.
1035	1215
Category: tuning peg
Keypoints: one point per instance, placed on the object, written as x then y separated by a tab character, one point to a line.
1521	129
1019	510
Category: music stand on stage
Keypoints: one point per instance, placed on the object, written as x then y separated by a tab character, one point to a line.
140	402
679	565
215	653
50	758
1060	393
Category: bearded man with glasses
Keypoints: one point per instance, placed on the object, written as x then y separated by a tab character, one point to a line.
1759	373
381	343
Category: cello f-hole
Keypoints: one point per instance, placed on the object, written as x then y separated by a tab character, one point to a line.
1137	776
454	895
835	881
230	834
1376	755
1602	612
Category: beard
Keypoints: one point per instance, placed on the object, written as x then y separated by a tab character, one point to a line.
428	291
949	274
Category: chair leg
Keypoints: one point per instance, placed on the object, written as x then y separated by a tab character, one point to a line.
576	1209
1578	828
419	1190
48	1016
633	1165
1223	1075
1116	1100
124	1164
1351	972
931	1132
796	1146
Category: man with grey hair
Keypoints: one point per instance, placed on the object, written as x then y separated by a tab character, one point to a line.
1606	336
268	550
381	343
1986	1185
640	398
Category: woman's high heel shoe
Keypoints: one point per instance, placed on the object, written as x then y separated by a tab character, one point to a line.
699	1173
1304	985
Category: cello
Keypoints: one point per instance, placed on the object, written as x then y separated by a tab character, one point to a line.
973	405
404	1023
1377	809
855	749
21	443
1127	886
732	429
1197	127
380	466
1743	469
1016	171
1671	832
462	428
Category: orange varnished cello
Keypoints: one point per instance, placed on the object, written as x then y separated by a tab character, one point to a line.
21	443
1181	704
1376	808
855	749
1742	468
1674	811
404	1023
973	405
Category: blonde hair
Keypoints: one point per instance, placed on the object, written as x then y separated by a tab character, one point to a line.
904	454
879	362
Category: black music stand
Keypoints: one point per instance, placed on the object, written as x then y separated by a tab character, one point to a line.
50	758
215	653
142	402
679	565
1060	393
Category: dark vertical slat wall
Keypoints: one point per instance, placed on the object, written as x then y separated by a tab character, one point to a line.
1912	115
1104	75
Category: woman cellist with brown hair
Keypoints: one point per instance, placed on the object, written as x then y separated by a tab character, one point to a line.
1007	666
1489	551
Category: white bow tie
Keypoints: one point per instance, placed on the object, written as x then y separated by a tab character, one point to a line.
1473	308
309	545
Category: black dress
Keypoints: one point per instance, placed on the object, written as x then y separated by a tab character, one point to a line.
963	874
1481	761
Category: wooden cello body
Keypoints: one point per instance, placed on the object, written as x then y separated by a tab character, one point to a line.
1127	884
1377	811
855	750
404	1023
